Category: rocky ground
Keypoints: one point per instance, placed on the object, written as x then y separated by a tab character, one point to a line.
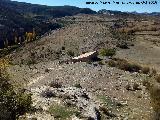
108	87
83	90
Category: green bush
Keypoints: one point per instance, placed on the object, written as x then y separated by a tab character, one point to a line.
107	52
12	103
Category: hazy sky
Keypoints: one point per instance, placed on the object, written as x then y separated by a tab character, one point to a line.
112	6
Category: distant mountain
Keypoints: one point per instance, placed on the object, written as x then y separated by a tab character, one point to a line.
112	12
16	18
155	14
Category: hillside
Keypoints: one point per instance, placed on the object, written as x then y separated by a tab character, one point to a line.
89	66
114	86
17	18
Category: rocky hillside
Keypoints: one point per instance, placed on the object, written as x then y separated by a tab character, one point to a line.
115	86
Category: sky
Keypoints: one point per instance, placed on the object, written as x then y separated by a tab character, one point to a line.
112	6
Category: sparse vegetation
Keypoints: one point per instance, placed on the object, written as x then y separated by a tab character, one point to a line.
12	103
55	84
112	63
125	65
107	112
107	52
31	62
131	67
48	94
122	45
109	103
146	83
153	71
77	85
81	33
62	112
145	70
128	87
101	62
136	86
4	63
155	98
63	48
70	53
157	78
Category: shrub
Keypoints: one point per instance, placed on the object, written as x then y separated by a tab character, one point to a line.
124	65
145	70
100	63
89	62
131	67
107	52
55	84
70	53
136	86
61	112
128	87
157	78
30	61
4	63
146	83
154	72
77	85
106	111
12	103
112	63
63	48
47	94
122	45
155	99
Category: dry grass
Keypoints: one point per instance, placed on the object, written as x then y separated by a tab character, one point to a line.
155	99
124	65
112	63
157	78
129	66
4	63
145	70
